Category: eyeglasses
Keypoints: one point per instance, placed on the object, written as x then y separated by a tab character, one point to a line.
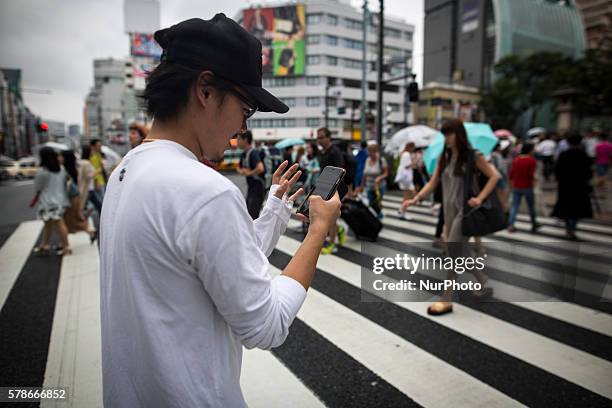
250	110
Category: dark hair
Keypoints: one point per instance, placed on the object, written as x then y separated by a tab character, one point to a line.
142	131
325	131
93	142
85	152
603	136
363	144
49	160
461	141
246	136
574	139
168	87
527	148
70	164
315	149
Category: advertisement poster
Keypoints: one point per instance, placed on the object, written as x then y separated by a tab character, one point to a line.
144	45
281	31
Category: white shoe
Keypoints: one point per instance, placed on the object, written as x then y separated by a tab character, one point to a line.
407	217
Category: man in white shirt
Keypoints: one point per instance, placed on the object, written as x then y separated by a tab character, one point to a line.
183	267
546	152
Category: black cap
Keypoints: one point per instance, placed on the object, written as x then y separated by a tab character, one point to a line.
224	47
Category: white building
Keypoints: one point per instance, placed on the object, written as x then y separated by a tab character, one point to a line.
333	55
111	104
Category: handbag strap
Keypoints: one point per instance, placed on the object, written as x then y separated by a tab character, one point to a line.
468	175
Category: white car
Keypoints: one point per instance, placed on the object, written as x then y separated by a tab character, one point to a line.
19	169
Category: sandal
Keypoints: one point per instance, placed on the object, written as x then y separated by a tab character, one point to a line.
64	251
41	250
439	309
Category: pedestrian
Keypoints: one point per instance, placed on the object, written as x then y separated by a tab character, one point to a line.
450	170
420	173
360	158
252	167
573	173
329	155
546	152
522	177
350	165
93	197
405	176
51	200
96	160
138	133
374	180
310	164
74	218
500	163
183	267
603	158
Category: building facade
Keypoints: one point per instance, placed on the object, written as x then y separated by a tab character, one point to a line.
597	18
326	72
111	104
439	101
464	39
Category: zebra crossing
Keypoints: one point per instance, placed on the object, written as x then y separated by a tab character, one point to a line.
343	351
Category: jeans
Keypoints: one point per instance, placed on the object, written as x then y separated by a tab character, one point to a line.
517	195
571	224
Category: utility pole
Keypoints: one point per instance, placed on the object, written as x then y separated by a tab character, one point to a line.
379	88
364	71
326	119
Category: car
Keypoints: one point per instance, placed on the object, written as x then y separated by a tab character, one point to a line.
19	169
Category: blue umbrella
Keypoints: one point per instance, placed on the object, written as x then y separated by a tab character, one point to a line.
481	138
283	144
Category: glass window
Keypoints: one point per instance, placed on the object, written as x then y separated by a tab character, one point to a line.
332	102
332	20
288	101
332	122
313	60
314	18
408	35
313	101
313	80
312	122
331	40
290	122
313	39
332	60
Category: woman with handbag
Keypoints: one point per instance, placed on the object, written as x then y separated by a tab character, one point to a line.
73	217
457	164
51	201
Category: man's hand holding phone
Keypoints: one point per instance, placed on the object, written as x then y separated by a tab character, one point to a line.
323	213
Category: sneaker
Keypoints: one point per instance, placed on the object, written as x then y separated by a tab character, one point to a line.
407	217
334	249
341	235
327	248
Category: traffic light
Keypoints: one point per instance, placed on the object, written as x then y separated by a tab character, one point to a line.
42	126
413	92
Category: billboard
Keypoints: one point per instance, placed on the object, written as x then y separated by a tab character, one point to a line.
281	31
144	45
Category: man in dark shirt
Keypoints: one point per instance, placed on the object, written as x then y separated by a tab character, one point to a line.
252	167
330	155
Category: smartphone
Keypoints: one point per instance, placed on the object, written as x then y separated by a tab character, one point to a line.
327	183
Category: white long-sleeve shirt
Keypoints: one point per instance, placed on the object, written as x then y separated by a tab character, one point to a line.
184	282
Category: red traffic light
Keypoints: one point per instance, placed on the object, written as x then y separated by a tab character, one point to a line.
44	127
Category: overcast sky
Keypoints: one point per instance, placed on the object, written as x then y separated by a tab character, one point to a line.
54	42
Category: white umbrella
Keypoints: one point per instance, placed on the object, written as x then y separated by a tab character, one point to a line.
58	147
535	131
420	135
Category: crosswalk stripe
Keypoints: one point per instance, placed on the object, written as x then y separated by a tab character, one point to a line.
75	357
265	382
584	225
576	366
594	257
411	370
14	254
544	234
574	314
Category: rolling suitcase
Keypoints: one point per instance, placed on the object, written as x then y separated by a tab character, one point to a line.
361	219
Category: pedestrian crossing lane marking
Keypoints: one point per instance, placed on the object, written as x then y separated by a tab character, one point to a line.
415	372
14	254
75	356
265	381
574	365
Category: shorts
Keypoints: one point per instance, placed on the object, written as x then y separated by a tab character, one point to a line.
51	214
406	186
